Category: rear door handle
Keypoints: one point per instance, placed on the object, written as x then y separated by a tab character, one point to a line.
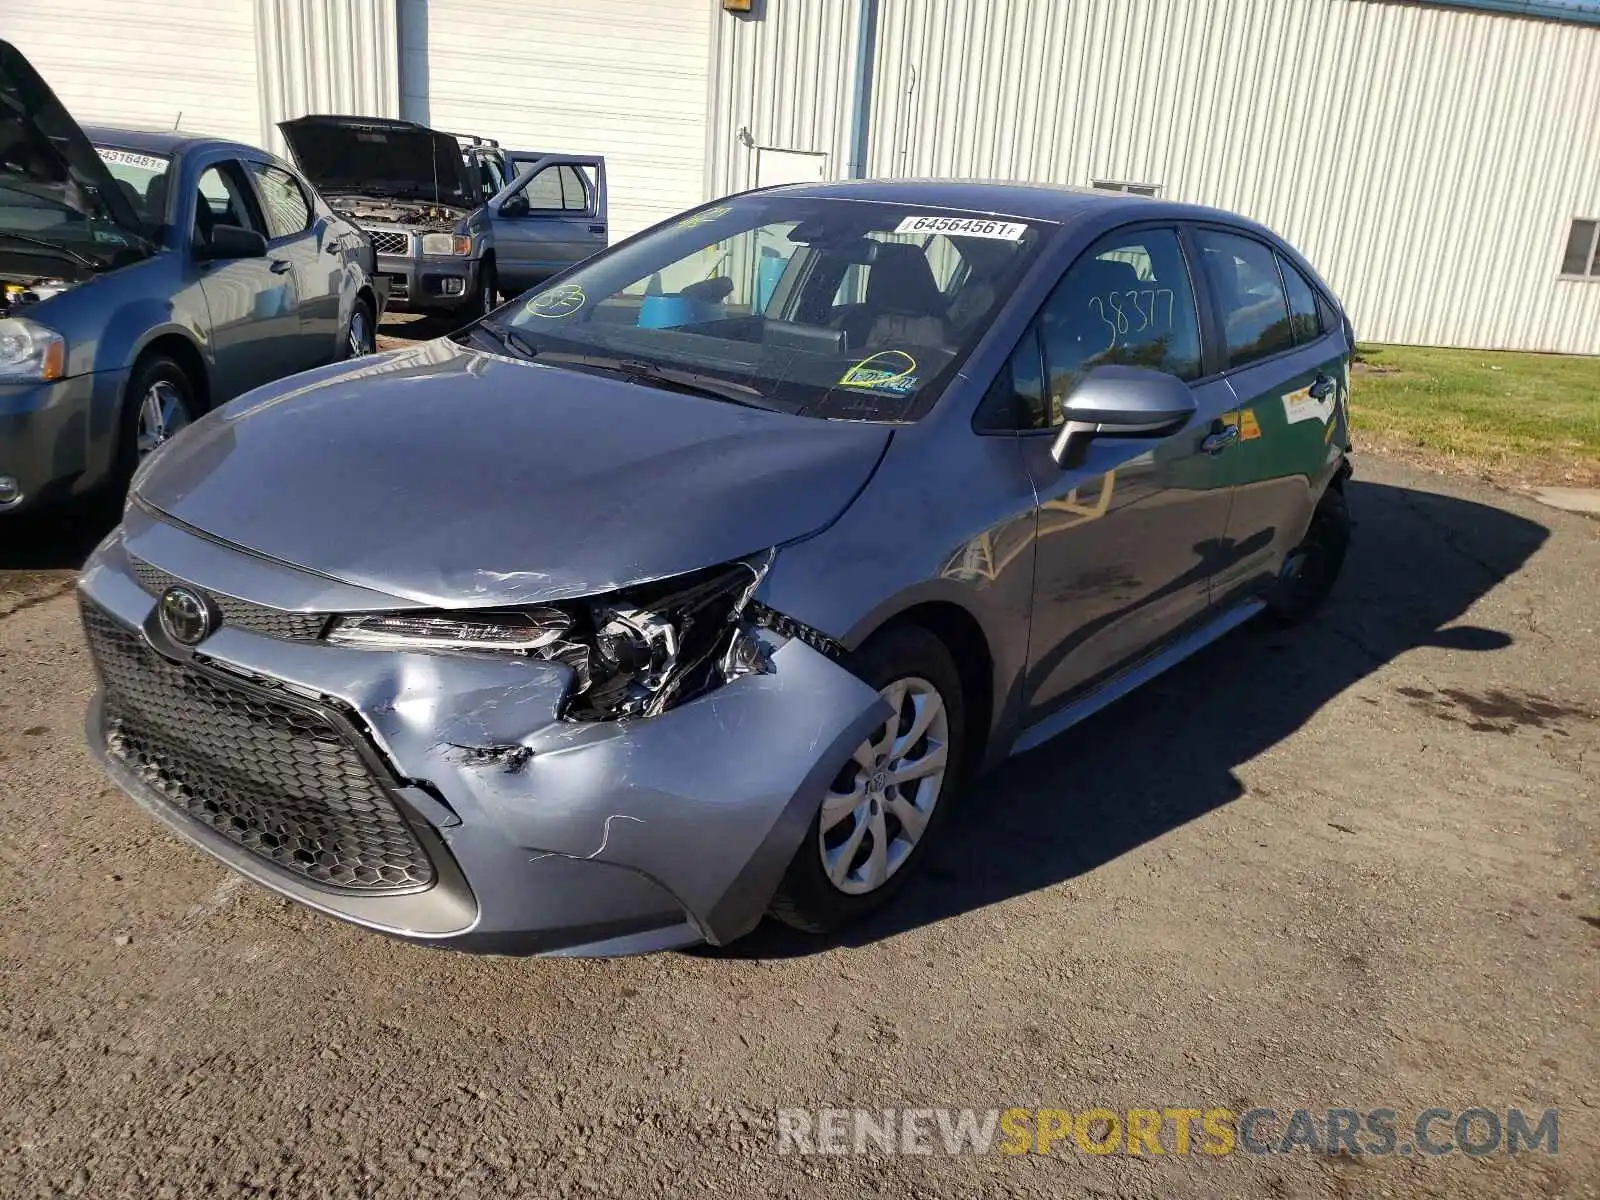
279	266
1321	388
597	229
1216	443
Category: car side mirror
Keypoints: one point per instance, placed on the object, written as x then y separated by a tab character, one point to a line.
514	206
231	241
1120	401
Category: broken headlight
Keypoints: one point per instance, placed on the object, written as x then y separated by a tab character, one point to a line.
632	653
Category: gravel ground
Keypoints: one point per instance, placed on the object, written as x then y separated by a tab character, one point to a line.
1349	864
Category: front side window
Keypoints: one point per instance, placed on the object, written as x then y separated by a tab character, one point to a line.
224	199
287	210
1249	294
558	189
1128	300
828	307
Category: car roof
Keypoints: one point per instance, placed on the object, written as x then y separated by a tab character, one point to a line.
163	141
1058	202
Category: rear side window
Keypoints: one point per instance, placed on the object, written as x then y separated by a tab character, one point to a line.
1249	295
1304	323
1128	301
287	210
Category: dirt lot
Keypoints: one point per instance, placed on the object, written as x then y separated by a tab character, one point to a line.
1353	864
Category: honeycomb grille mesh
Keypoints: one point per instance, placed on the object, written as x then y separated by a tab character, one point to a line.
241	614
386	242
276	777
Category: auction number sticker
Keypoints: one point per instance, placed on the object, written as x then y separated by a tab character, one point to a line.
982	227
129	158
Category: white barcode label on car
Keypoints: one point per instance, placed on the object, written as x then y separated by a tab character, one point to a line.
1005	231
130	158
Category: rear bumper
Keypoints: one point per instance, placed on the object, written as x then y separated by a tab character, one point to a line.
547	836
429	284
58	439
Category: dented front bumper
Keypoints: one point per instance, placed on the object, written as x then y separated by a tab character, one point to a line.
546	835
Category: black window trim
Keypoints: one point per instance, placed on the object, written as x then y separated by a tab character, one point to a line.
1030	329
1219	338
1593	259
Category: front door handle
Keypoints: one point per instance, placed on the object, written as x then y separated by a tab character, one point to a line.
1321	388
279	266
1216	443
597	229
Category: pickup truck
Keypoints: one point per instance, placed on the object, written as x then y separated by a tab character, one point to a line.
456	221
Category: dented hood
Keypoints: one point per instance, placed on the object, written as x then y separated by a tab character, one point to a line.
456	478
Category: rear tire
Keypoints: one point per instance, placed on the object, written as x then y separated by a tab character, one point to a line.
864	843
1320	557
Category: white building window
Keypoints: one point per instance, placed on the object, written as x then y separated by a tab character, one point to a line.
1582	259
1133	189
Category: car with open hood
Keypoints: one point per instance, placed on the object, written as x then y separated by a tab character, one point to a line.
692	586
456	221
146	278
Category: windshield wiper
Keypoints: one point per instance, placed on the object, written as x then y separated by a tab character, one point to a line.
509	338
82	259
672	378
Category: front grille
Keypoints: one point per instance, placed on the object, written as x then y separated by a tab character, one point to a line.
241	614
386	241
275	774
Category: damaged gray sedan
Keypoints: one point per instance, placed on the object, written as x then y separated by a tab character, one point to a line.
688	589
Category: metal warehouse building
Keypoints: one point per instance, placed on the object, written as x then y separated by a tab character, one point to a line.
1439	162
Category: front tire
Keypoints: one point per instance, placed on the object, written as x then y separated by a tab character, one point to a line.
488	294
890	799
159	402
360	333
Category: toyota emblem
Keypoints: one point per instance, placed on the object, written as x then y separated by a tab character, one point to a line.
185	616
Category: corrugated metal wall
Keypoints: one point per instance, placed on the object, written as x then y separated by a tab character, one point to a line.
1427	159
781	78
325	56
145	66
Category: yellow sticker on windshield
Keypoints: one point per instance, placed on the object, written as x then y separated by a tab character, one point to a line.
558	302
885	371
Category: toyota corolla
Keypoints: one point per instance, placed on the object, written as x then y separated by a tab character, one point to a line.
691	587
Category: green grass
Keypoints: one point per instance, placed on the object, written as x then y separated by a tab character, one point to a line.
1533	417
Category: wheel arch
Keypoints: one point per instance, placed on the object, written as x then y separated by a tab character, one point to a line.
963	635
183	351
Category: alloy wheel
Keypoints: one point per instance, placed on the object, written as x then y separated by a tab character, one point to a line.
161	414
879	805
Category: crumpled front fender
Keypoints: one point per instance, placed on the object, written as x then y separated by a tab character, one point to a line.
709	801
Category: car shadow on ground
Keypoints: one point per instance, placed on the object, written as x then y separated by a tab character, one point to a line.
1166	755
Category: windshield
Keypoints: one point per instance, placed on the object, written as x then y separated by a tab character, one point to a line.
41	207
142	178
833	308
